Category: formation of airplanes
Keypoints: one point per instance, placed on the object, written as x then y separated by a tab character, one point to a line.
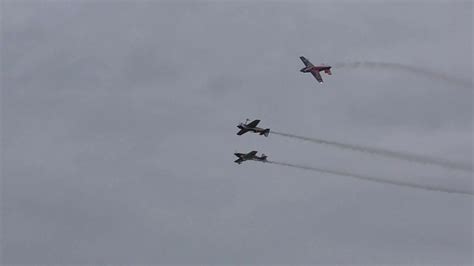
252	126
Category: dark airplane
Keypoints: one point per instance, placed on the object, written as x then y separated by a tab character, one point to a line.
250	156
252	126
315	69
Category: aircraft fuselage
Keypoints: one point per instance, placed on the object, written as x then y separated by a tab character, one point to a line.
253	129
326	69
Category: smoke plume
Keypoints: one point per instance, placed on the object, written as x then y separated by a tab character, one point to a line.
376	179
385	153
408	69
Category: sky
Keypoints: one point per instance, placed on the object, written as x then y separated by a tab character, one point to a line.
119	121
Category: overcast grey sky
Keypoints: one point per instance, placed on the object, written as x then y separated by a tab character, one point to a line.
118	128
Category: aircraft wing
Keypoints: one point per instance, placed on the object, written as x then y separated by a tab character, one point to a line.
305	61
251	154
317	76
254	123
242	131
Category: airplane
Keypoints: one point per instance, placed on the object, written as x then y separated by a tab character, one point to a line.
250	156
315	69
252	126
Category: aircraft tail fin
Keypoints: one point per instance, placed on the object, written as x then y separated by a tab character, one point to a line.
265	132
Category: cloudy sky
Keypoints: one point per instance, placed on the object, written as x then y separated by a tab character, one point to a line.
118	128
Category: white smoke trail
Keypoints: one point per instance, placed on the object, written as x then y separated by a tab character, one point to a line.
408	69
386	153
376	179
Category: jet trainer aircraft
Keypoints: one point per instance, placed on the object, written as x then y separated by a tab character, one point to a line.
252	126
249	156
315	69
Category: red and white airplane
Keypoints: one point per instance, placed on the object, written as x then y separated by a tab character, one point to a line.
315	69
